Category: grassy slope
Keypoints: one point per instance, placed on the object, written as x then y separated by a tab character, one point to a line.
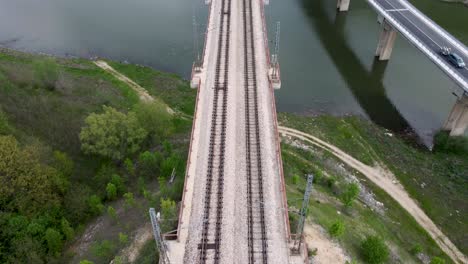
169	87
54	118
437	180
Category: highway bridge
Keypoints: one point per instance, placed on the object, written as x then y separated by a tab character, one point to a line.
399	16
234	207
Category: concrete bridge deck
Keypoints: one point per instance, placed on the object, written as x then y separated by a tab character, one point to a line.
234	207
425	34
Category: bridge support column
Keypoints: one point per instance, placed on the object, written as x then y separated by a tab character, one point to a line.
342	5
457	121
386	41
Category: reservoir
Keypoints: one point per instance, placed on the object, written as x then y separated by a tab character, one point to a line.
326	59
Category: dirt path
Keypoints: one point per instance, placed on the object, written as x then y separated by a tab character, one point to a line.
387	181
142	236
142	93
328	251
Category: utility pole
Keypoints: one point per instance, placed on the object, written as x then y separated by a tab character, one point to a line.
303	213
160	244
274	57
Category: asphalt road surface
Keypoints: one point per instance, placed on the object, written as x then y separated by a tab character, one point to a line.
425	33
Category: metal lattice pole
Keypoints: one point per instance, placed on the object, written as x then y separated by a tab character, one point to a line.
274	57
160	244
195	41
303	212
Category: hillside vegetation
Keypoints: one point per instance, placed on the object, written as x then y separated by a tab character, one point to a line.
73	139
437	180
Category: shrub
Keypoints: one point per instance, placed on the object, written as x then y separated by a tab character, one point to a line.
111	191
118	182
86	262
168	214
374	250
337	229
437	260
295	179
111	212
443	142
123	238
103	249
350	194
54	240
129	167
67	230
95	205
129	199
148	163
416	249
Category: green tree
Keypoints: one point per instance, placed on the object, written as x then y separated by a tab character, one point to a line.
111	212
67	230
350	194
168	214
103	249
112	134
26	185
437	260
63	163
149	163
118	182
155	119
374	250
123	238
111	191
54	240
129	167
337	229
95	204
129	199
169	164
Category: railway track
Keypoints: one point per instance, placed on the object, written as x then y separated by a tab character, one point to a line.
257	239
209	247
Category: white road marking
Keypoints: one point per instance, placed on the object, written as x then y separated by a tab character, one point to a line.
393	10
414	24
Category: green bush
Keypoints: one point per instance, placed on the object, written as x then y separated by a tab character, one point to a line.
86	262
111	212
54	240
104	249
337	229
123	238
111	191
374	250
447	144
95	205
295	179
416	249
129	199
350	194
437	260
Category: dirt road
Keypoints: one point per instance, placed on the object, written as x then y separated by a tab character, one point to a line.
387	181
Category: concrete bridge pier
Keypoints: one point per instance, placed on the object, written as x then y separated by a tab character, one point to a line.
457	122
386	41
342	5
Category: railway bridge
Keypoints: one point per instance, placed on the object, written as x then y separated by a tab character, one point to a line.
234	207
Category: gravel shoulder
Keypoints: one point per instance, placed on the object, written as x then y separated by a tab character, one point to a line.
387	181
